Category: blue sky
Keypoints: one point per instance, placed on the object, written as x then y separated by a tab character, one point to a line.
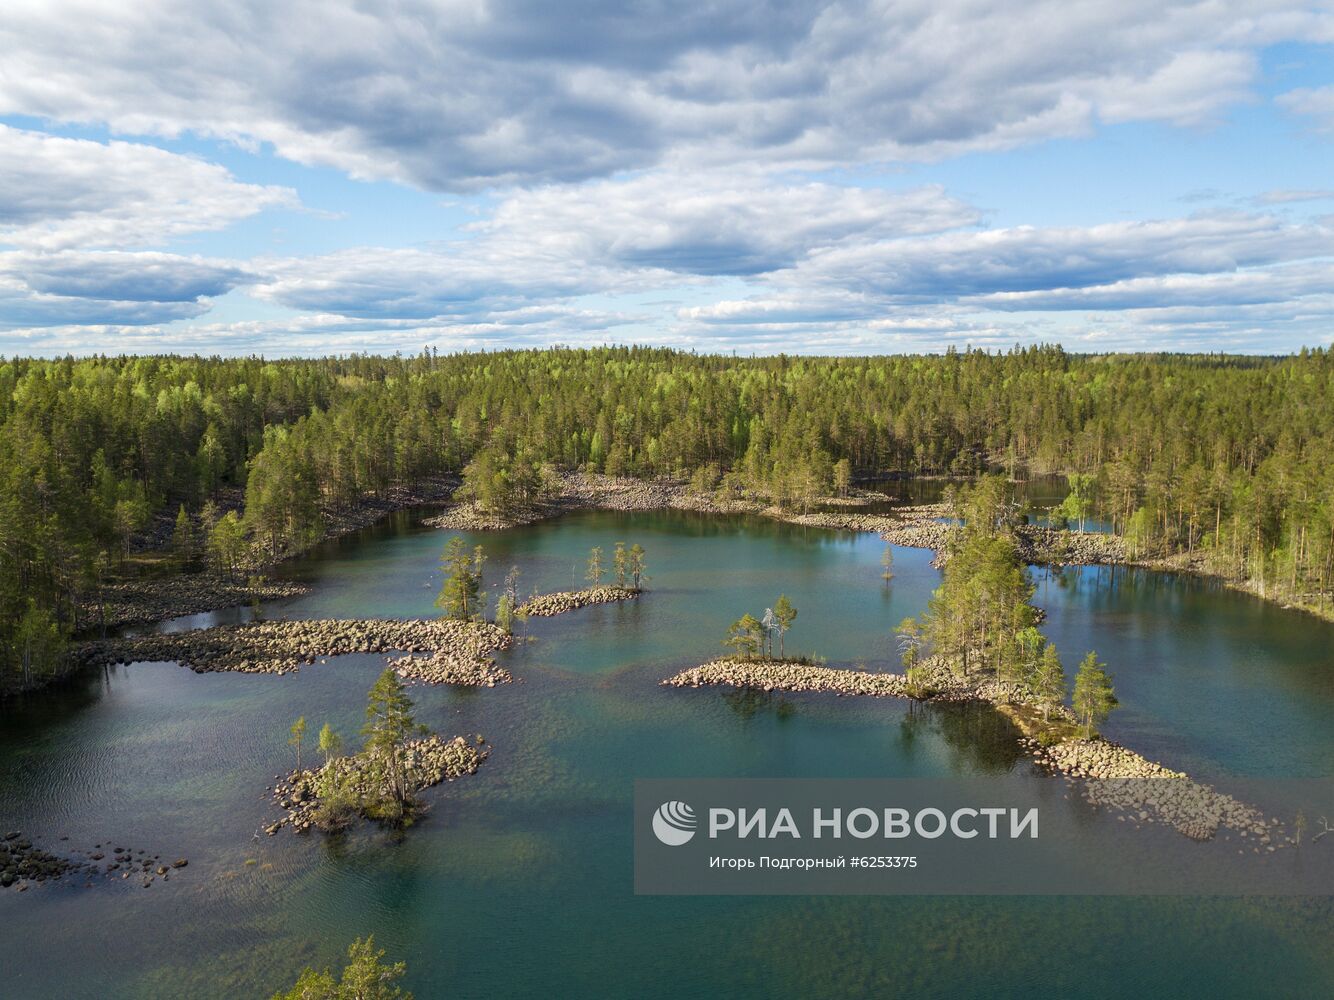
854	177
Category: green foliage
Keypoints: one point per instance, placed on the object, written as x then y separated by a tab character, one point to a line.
745	636
1093	698
1049	683
982	604
620	563
183	538
227	544
36	645
595	571
389	724
638	566
365	977
460	595
1223	458
331	744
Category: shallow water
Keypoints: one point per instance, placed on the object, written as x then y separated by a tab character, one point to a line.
518	882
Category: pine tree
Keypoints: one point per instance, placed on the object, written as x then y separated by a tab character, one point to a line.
389	723
183	538
637	566
460	594
365	977
1049	683
1094	698
744	636
620	564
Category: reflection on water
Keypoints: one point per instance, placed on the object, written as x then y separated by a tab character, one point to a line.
518	879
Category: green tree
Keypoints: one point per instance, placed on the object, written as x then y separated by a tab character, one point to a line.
295	736
638	566
1093	698
39	644
744	636
1049	683
365	977
887	562
227	544
330	743
389	724
461	592
785	615
620	562
595	570
183	538
842	476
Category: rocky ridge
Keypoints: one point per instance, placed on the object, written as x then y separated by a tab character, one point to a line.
277	647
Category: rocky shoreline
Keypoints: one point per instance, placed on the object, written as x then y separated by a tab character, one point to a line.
925	527
583	491
277	647
1114	777
1108	774
161	598
919	526
546	605
427	761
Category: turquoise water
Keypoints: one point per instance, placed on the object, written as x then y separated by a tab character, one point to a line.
518	882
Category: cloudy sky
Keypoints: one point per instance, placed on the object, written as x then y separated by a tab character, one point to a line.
318	176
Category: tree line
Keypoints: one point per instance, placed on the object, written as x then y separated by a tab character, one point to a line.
240	460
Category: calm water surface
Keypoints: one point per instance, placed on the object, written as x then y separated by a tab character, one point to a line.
518	882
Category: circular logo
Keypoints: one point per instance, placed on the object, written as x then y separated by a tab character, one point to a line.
674	823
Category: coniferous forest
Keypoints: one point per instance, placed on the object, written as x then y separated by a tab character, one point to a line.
231	462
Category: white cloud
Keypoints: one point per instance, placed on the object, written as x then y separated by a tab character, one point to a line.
460	94
101	287
57	192
1312	102
1029	258
714	223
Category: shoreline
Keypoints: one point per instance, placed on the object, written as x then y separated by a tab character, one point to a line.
155	599
910	526
1106	772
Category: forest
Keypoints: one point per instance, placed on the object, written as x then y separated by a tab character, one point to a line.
229	463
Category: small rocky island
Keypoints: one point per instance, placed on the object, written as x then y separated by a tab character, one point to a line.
546	605
330	797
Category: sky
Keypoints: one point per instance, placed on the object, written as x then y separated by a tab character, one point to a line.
325	176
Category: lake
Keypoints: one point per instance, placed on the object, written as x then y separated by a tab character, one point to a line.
518	881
